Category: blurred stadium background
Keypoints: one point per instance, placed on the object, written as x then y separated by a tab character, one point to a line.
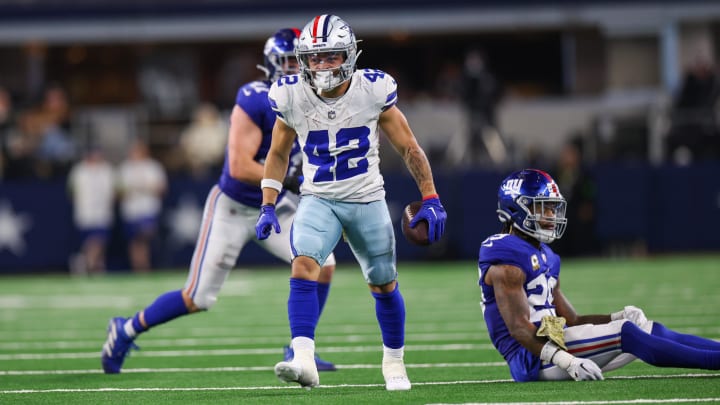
633	86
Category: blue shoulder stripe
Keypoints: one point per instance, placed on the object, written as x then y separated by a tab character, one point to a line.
390	101
273	105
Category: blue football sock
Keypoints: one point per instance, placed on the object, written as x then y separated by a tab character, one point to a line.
165	308
663	352
137	326
390	312
323	289
687	340
303	307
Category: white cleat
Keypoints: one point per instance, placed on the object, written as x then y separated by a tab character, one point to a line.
396	378
301	370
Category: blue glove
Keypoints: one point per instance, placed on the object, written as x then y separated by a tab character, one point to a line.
433	212
267	221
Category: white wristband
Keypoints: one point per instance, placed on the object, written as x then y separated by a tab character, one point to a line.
554	354
271	183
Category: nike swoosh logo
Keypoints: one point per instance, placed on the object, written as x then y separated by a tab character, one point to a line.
246	92
433	211
488	244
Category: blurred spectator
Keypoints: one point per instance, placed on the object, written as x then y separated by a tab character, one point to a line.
7	125
449	82
480	95
203	141
47	135
694	124
16	153
91	184
579	189
142	182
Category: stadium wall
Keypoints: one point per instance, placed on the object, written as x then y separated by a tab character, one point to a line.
668	209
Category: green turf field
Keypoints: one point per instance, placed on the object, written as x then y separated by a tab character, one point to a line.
52	329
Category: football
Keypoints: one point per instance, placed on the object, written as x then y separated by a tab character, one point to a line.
419	234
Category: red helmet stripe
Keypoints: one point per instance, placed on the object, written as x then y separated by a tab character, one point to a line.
547	176
316	22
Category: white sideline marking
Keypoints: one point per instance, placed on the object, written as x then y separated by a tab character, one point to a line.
236	352
236	369
180	389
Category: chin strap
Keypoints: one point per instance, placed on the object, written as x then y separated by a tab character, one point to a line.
264	70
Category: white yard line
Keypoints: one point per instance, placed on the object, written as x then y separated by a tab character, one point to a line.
237	352
152	341
236	369
275	387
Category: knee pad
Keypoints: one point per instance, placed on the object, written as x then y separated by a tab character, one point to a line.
381	274
203	300
308	245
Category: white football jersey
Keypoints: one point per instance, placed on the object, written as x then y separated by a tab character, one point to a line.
141	183
93	191
339	140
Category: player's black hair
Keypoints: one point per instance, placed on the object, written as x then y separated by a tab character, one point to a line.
506	227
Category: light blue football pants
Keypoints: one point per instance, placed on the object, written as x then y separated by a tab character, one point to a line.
319	223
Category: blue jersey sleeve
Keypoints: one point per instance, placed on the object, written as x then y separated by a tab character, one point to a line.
501	249
252	98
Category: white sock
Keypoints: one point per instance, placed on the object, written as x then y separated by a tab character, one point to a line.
302	343
389	353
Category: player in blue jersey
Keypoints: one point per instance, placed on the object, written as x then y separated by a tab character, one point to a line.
231	210
531	322
334	112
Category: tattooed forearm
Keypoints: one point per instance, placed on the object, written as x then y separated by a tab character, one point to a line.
419	167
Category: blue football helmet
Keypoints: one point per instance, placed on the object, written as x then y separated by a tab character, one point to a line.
531	201
280	54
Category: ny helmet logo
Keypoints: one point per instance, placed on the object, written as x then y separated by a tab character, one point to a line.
512	186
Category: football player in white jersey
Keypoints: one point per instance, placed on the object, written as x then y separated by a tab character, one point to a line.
526	313
91	183
231	210
334	113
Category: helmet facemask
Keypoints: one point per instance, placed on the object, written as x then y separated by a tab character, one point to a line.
284	64
326	79
536	224
530	201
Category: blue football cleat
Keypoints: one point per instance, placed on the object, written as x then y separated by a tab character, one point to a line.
321	364
116	347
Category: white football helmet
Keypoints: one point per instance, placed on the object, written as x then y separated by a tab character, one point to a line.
327	33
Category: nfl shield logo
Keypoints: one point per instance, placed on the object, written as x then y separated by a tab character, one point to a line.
331	114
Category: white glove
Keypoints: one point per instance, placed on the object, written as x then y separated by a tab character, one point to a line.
580	369
632	314
584	369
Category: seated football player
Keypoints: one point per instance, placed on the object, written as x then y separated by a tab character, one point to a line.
534	326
